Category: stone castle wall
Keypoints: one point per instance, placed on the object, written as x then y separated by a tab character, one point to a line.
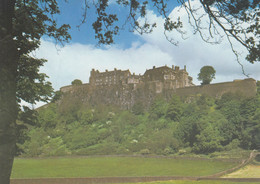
126	95
246	87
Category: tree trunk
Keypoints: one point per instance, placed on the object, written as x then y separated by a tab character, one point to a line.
8	107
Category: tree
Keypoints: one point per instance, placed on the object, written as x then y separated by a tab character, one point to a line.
175	108
24	22
206	75
138	108
76	82
157	108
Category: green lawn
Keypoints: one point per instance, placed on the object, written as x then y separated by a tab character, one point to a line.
115	166
197	182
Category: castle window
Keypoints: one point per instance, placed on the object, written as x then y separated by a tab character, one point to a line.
166	77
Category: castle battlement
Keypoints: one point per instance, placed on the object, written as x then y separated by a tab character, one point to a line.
114	77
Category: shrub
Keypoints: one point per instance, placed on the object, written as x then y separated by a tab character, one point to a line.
145	152
76	82
54	147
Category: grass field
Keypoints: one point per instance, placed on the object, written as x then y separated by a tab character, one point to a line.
115	166
250	171
198	182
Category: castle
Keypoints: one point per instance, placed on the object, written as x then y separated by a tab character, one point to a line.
165	76
121	88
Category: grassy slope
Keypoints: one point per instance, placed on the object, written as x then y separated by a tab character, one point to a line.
115	166
249	171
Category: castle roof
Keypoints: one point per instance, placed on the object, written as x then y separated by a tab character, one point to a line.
161	70
113	72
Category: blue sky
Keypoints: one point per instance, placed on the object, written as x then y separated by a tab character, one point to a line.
135	52
72	11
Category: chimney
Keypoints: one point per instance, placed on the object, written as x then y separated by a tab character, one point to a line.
177	68
173	67
153	67
106	70
92	71
184	67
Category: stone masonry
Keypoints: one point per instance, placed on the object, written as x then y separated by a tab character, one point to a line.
123	89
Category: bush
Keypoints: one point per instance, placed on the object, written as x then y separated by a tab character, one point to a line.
33	146
168	151
232	145
54	147
101	149
257	158
185	151
145	152
76	82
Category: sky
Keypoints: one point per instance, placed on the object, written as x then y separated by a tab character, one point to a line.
136	52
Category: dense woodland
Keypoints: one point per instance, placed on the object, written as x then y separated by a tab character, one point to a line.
192	125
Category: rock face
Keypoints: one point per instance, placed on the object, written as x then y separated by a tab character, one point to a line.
124	89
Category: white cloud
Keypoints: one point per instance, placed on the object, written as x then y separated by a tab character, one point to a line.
195	53
75	61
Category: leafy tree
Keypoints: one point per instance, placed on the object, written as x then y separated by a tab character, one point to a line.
48	117
158	108
24	22
258	88
227	97
33	146
26	118
254	130
208	141
188	128
206	75
160	140
57	96
138	108
175	108
232	114
76	82
54	147
85	116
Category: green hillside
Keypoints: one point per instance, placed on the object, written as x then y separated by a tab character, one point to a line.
193	125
